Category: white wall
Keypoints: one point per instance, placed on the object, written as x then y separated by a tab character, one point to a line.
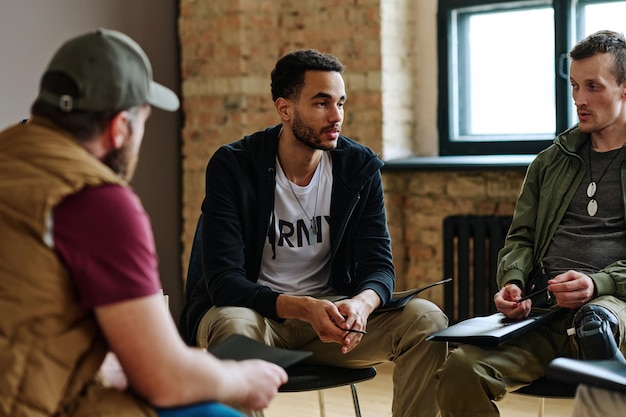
30	32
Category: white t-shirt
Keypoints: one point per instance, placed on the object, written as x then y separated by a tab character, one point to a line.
300	261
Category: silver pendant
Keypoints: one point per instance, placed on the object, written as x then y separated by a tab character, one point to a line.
591	189
313	226
592	207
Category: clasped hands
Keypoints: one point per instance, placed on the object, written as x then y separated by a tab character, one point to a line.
571	289
344	321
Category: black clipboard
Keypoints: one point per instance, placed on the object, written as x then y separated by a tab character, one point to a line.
609	374
495	329
401	298
238	347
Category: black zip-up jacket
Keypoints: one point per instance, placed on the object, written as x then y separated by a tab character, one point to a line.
238	209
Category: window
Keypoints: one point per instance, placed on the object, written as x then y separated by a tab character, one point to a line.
503	70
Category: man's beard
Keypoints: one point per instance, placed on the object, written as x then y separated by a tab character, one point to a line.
305	135
119	161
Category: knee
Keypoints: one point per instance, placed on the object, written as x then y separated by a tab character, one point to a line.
597	332
457	366
468	369
428	316
220	322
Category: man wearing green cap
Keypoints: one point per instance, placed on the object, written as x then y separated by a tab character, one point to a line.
78	268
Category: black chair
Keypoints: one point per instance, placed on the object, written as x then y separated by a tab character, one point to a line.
320	377
546	388
471	244
301	377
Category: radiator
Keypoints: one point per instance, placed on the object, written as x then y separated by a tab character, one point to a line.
470	255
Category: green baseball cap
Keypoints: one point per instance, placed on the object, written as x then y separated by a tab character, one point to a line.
111	72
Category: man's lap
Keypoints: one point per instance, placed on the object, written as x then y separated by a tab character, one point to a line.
384	332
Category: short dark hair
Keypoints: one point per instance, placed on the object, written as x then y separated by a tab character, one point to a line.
288	74
83	125
604	41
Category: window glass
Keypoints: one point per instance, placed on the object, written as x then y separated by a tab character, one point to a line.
510	73
611	16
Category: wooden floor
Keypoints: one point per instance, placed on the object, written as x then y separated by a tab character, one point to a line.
375	398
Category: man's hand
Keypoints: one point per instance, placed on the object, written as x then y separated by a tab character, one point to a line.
329	322
507	304
255	381
356	311
333	322
571	289
323	315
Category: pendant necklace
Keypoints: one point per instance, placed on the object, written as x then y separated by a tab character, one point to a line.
312	222
592	205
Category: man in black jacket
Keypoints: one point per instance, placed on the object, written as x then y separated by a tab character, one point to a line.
295	246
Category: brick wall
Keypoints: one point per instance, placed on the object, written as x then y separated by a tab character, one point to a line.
418	202
228	48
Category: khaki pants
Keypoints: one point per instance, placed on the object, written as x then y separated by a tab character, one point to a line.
597	402
472	377
396	336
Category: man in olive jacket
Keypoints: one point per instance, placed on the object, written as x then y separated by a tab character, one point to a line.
569	225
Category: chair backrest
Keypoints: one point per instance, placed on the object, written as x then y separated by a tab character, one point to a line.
194	270
470	255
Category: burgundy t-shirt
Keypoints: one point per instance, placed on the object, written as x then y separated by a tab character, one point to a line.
104	237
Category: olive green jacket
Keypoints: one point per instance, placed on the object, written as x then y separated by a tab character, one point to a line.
550	184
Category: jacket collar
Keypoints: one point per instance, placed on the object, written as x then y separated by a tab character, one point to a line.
572	139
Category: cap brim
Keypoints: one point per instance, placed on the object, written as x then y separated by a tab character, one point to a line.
162	97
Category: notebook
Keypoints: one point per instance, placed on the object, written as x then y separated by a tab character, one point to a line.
238	347
609	374
495	329
401	298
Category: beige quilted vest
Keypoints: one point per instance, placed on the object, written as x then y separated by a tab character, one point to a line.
50	348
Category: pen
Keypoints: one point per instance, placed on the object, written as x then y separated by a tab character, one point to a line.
356	331
532	294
